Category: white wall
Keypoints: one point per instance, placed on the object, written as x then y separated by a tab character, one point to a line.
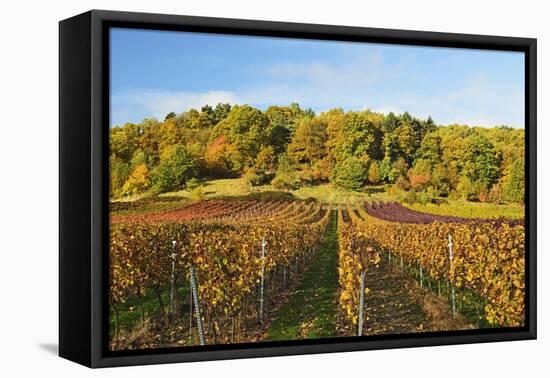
28	211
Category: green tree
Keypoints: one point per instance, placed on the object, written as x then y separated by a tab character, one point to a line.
282	123
514	182
428	126
390	144
139	157
123	141
221	111
390	123
444	179
281	116
430	149
194	119
286	176
177	165
481	161
279	138
350	173
359	137
469	189
170	116
209	112
391	171
119	173
385	170
406	141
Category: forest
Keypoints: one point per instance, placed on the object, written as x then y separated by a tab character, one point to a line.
288	147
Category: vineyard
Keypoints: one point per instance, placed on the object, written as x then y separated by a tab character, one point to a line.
484	257
242	255
237	271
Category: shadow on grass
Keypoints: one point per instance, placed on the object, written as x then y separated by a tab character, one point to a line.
261	196
151	203
374	189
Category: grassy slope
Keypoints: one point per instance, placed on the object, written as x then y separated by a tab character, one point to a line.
311	311
326	193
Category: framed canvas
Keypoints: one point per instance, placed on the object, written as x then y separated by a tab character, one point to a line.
235	188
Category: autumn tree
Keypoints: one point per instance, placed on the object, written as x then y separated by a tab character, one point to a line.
247	130
308	144
219	156
138	182
420	174
349	148
150	135
373	173
266	159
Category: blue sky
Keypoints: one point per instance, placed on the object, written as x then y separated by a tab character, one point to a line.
156	72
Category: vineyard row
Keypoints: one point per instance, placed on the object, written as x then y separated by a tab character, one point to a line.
485	257
225	254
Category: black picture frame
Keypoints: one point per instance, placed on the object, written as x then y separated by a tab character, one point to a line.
83	195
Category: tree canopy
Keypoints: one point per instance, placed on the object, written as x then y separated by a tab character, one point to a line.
294	147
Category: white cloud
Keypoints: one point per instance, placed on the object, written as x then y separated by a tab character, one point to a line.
356	83
146	103
477	102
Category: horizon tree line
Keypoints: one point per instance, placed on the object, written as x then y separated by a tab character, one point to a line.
290	147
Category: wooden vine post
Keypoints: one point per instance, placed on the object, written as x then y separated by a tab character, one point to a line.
361	304
190	312
450	245
198	315
172	277
262	283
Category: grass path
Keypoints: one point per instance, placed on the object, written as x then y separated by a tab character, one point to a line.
397	304
391	305
311	311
